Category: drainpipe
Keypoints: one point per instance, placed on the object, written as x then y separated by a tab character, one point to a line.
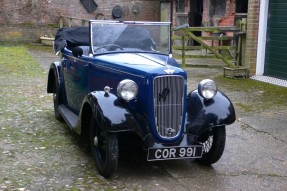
208	13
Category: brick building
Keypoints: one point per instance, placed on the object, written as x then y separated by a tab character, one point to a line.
252	35
27	20
266	44
207	12
221	13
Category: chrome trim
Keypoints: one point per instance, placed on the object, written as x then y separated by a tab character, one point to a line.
168	93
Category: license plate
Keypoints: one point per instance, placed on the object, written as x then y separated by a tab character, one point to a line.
168	153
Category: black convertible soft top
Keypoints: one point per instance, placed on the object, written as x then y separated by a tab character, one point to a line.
73	36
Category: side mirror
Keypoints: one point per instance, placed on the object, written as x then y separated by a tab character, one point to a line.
77	52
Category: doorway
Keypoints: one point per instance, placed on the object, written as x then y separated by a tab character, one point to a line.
241	6
195	13
195	16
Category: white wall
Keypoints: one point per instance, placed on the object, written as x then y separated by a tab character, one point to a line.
263	18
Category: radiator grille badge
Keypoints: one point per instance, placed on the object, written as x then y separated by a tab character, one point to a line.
169	71
163	95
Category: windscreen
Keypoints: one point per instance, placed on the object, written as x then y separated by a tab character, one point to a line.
130	36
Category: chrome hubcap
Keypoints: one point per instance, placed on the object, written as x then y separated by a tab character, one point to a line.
96	142
54	96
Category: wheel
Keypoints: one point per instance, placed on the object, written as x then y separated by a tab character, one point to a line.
110	47
57	101
213	145
104	147
114	47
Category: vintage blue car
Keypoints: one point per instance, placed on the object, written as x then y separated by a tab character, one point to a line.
117	77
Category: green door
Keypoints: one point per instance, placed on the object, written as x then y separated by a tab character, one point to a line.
276	40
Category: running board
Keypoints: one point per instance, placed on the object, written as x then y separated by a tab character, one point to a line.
70	117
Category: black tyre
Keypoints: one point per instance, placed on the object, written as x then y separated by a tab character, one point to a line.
57	101
213	145
104	147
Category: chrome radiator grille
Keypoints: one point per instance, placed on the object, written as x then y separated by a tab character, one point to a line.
168	92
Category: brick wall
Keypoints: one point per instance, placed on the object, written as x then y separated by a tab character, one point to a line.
252	35
27	20
252	27
208	19
226	20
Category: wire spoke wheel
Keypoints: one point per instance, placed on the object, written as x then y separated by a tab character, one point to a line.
57	101
213	145
104	147
207	144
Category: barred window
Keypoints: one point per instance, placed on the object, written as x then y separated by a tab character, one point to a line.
180	5
219	8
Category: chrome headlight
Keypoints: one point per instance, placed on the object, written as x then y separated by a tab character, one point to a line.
127	90
207	88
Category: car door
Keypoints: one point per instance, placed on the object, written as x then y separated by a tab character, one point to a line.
76	76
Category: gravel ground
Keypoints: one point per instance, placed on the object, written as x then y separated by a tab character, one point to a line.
40	153
37	151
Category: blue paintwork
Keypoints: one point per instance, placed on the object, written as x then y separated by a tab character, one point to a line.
83	80
204	114
88	74
120	118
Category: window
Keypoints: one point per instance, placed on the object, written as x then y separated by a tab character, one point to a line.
180	5
219	7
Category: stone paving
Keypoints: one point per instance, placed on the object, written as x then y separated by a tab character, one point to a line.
40	153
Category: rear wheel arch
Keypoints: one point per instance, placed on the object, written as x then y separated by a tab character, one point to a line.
51	81
86	115
53	75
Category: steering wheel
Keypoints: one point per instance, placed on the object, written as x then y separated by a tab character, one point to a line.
110	47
